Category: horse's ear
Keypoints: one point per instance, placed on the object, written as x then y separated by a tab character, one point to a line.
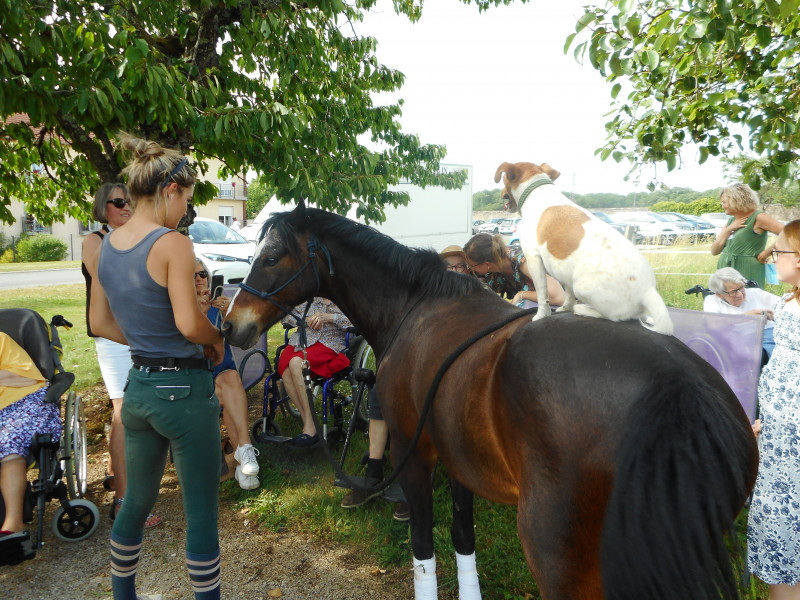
299	213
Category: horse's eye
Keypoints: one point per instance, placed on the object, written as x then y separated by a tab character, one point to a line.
270	262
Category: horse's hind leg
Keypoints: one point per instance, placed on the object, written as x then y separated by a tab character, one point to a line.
462	533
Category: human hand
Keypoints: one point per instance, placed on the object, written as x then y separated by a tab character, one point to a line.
518	298
204	300
214	352
317	320
221	303
738	223
757	427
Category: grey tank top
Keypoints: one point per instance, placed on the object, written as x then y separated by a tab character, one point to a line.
141	306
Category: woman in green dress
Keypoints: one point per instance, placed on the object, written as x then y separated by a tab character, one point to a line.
743	241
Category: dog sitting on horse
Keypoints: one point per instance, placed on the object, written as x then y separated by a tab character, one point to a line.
597	266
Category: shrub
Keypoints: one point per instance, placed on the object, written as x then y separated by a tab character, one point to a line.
7	256
41	248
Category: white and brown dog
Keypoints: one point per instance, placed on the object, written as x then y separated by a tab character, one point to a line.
597	265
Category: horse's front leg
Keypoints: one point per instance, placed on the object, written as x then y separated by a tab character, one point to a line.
418	489
462	532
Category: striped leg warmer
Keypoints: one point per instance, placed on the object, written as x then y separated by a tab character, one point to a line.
124	562
204	573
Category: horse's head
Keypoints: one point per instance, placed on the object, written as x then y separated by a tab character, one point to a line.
288	268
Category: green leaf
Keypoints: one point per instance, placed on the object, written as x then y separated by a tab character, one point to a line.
615	90
625	5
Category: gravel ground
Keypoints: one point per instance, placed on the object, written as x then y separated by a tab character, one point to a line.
255	564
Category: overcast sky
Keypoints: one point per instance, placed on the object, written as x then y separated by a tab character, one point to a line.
497	87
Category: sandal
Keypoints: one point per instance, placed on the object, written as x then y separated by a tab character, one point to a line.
108	483
151	521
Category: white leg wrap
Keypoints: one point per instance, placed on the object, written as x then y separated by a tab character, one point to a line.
468	587
425	579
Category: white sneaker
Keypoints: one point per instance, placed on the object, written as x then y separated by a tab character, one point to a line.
246	457
246	482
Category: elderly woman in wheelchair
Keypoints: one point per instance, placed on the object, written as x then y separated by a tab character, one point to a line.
23	413
325	344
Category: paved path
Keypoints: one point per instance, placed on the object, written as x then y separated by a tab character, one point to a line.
23	279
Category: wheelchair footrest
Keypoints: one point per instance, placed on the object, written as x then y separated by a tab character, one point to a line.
275	439
15	548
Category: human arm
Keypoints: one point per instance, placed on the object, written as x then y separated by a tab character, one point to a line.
101	319
9	379
177	254
722	237
555	292
763	223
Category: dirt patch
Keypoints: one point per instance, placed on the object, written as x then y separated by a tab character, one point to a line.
255	564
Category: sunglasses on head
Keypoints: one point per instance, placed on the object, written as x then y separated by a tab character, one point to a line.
118	202
201	274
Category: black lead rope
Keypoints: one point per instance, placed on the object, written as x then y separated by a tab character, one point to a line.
353	482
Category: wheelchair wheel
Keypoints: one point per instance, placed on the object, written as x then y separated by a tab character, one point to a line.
365	359
74	461
80	524
258	429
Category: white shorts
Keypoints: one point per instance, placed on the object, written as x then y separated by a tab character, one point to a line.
115	362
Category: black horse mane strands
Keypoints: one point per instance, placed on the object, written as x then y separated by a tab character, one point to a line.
420	268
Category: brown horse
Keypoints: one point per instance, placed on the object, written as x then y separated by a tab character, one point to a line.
627	455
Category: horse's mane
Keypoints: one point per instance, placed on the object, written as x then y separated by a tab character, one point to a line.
420	269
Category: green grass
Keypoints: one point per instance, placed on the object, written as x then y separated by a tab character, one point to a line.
297	489
61	264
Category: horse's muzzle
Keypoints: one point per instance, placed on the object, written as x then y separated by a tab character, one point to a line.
242	336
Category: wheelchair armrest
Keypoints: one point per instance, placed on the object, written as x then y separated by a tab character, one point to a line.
366	376
60	383
243	363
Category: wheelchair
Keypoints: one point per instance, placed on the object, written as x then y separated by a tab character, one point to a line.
343	397
76	518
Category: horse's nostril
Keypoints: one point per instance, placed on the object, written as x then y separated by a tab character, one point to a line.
226	329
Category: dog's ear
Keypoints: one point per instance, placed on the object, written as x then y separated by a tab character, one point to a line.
500	170
550	171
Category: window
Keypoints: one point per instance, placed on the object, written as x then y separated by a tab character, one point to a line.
31	225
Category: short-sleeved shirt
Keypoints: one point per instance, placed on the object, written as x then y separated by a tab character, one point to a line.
14	359
755	299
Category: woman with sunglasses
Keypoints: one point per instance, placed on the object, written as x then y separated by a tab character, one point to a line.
732	297
505	270
143	296
773	535
112	208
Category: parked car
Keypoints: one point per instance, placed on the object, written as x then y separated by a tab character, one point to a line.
490	226
654	228
222	250
476	224
702	230
629	230
718	219
509	226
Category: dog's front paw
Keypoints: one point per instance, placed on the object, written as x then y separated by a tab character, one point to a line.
564	308
542	312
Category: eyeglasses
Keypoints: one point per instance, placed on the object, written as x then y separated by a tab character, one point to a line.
201	274
776	253
460	267
739	290
118	202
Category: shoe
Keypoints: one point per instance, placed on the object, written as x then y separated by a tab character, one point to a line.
108	483
359	497
304	441
246	457
246	482
393	493
401	512
15	547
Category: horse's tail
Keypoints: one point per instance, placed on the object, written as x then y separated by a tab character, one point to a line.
656	311
686	464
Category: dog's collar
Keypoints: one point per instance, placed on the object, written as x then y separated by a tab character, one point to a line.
545	180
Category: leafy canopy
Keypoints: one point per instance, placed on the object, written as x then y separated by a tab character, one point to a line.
719	73
283	88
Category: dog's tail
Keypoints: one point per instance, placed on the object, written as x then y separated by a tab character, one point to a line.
656	317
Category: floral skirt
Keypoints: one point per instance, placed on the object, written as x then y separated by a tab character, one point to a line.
24	418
